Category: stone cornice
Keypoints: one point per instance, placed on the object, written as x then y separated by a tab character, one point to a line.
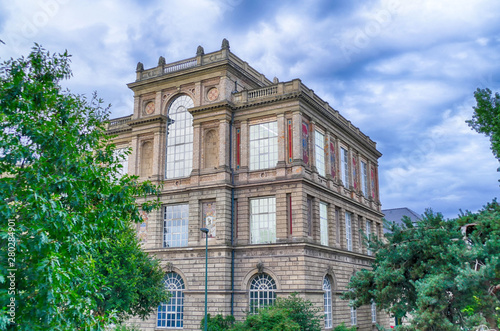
151	119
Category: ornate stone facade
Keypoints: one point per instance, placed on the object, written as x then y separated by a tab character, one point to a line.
283	181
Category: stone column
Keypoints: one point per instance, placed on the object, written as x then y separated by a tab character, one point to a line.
137	105
350	152
134	156
158	103
244	145
196	149
156	175
361	227
328	161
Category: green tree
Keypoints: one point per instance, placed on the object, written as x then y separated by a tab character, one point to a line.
486	117
291	313
269	319
132	282
429	272
217	323
63	206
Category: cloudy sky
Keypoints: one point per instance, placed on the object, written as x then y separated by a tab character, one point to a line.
403	71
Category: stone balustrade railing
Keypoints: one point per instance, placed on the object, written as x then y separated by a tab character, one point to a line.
263	92
118	123
199	61
180	66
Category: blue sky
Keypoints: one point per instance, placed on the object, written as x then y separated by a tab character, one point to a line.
404	72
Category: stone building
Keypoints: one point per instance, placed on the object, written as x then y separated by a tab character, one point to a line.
283	182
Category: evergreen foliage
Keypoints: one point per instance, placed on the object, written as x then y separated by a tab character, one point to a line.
432	273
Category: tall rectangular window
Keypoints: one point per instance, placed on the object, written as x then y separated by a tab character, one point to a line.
175	225
354	316
121	154
344	159
368	235
179	159
263	146
348	232
364	178
319	148
323	220
263	220
374	312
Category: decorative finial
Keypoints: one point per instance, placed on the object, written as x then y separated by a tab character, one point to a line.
161	61
200	51
140	66
276	80
225	44
260	267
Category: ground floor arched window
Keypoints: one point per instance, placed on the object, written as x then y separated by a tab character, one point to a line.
262	292
327	301
171	314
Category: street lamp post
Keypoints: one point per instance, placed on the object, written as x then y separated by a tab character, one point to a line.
205	231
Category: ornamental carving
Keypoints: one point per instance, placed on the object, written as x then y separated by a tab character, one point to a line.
260	267
161	61
169	267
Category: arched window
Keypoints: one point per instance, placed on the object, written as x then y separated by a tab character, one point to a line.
179	160
327	299
171	314
262	292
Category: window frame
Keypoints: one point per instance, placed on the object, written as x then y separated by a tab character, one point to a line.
257	217
348	230
175	305
122	154
319	152
344	162
374	312
263	297
327	302
263	148
179	138
354	316
183	230
323	223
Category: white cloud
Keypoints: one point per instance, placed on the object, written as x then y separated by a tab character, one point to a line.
402	71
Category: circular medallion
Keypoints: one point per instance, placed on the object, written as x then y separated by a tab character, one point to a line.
150	108
213	94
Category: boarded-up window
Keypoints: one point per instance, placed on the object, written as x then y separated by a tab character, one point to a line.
211	150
